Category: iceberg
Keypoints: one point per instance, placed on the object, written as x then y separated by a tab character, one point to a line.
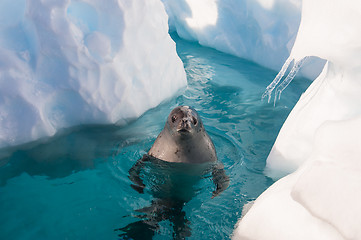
319	144
333	96
262	31
65	63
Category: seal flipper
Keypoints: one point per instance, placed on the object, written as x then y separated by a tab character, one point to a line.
220	179
139	230
160	210
134	174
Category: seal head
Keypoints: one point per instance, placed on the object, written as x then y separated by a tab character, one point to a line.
184	139
184	121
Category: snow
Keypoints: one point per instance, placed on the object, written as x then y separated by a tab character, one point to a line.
319	144
64	63
275	215
262	31
334	95
318	201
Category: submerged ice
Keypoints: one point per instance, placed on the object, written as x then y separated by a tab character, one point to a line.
64	63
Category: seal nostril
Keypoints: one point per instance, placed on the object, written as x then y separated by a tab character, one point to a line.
184	123
194	120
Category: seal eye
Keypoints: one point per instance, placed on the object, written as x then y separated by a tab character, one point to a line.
194	120
174	118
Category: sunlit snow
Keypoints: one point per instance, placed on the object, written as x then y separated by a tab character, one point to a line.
204	13
320	139
263	31
64	63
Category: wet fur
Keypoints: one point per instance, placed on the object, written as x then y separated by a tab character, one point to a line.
194	146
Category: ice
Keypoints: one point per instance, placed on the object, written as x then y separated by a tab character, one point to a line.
319	145
277	79
318	201
296	67
64	63
262	31
334	95
291	75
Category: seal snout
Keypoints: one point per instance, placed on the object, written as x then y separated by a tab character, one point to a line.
183	120
184	125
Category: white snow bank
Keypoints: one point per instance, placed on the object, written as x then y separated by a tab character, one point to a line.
276	216
262	31
320	138
330	31
321	200
66	62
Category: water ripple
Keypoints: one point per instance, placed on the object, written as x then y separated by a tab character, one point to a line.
76	185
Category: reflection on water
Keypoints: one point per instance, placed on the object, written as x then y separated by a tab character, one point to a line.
159	210
62	155
171	185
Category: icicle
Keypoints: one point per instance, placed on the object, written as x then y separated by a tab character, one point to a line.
274	83
296	67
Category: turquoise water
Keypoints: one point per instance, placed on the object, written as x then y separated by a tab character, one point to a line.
76	185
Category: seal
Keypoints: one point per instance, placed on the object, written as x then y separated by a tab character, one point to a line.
179	158
184	139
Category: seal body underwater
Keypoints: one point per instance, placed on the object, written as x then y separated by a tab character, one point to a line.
184	139
181	153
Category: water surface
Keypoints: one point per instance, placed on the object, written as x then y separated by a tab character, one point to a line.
76	186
